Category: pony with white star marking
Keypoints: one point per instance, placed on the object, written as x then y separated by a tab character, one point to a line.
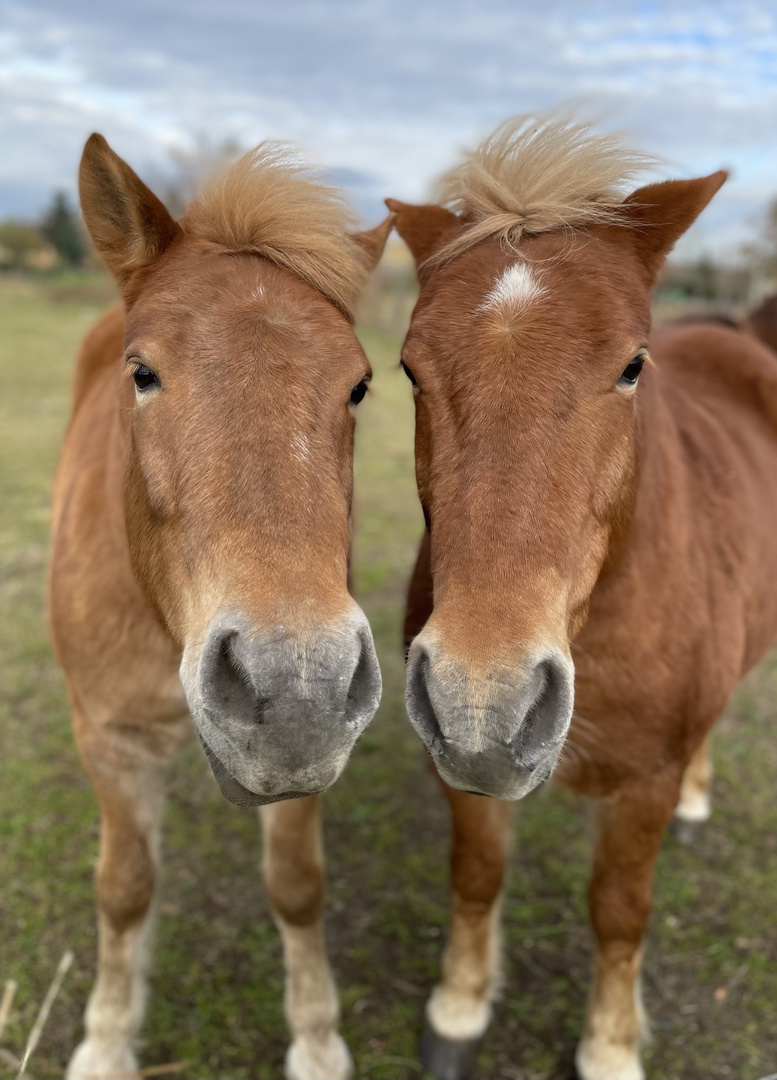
600	559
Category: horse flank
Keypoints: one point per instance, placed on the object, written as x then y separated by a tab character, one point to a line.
535	174
271	204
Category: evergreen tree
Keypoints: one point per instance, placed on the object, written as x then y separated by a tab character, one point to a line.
62	228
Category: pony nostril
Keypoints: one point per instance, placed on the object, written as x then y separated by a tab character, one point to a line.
360	684
547	716
365	686
241	674
232	663
227	684
419	703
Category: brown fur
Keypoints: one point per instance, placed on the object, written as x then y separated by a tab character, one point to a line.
613	525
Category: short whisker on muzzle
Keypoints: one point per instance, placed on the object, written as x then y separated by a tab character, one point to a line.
576	754
584	729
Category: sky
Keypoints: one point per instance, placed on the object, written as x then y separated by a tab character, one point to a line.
385	93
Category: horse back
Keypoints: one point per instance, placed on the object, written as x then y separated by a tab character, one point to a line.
707	497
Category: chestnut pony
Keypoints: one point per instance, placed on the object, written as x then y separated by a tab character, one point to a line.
600	562
200	554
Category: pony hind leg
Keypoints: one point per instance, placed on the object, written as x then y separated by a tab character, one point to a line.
293	868
130	787
695	805
459	1009
631	826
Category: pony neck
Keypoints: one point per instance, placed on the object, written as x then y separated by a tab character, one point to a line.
657	481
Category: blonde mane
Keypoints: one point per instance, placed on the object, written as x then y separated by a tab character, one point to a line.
270	203
535	174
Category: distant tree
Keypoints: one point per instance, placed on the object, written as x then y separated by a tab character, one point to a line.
19	240
769	237
761	254
61	226
704	278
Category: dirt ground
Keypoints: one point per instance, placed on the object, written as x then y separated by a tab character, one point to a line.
710	982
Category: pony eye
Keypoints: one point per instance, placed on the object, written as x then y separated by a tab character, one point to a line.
408	372
358	392
631	372
144	378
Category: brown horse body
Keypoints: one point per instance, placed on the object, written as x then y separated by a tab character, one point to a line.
762	322
201	526
575	515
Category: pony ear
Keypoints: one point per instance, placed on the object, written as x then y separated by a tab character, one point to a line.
127	223
424	228
374	240
660	214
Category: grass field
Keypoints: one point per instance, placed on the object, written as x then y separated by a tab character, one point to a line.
711	970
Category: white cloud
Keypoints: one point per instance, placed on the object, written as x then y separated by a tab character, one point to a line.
388	89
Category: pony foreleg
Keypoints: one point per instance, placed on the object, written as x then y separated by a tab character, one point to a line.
294	878
459	1009
131	795
631	825
695	805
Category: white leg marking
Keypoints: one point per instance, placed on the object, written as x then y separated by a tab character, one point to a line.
607	1061
456	1014
117	1002
317	1051
695	802
460	1006
116	1005
694	805
609	1049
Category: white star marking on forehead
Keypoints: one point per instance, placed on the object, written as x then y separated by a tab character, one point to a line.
516	287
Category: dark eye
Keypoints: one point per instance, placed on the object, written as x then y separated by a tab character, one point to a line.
144	378
358	392
408	372
631	372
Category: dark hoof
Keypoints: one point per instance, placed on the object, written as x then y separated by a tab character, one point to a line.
686	832
448	1059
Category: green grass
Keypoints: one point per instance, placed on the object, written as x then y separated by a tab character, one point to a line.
217	979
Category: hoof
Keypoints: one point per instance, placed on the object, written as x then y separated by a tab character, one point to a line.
686	832
448	1059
